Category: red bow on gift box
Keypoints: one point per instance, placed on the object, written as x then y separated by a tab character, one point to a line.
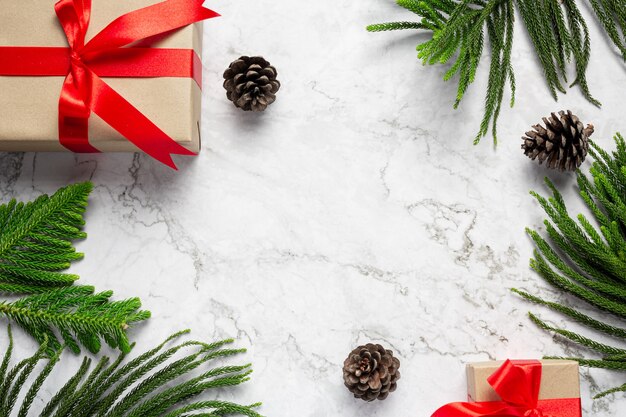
517	383
108	54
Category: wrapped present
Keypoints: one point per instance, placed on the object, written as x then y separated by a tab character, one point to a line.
101	76
532	388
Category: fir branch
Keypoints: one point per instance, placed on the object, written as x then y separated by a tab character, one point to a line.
594	363
498	70
78	314
36	237
615	390
539	35
587	257
109	390
576	338
612	15
557	29
576	315
609	289
580	48
35	248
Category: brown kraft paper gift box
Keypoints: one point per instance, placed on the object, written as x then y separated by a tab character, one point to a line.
559	379
29	105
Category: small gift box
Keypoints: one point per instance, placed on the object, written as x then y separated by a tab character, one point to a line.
549	388
101	76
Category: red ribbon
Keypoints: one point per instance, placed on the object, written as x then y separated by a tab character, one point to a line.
108	55
517	383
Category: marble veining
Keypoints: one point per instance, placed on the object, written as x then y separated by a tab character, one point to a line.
355	209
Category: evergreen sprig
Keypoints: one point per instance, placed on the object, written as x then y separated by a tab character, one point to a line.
587	257
35	249
556	28
154	384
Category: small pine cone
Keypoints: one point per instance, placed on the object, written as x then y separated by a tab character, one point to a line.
371	372
563	143
251	83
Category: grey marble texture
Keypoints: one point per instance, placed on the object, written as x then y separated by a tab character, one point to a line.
355	209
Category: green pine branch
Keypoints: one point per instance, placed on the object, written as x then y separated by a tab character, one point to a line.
587	257
557	29
154	384
36	240
35	249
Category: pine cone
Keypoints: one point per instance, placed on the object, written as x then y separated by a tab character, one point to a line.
370	372
563	143
251	83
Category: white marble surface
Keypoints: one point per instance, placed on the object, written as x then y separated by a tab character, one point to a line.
355	209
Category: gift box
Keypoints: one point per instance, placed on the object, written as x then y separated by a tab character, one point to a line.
147	75
549	388
559	379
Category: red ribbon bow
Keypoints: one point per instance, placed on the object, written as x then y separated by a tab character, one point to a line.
517	383
108	54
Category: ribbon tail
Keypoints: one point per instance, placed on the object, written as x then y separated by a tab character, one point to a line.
122	116
74	116
74	133
147	22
